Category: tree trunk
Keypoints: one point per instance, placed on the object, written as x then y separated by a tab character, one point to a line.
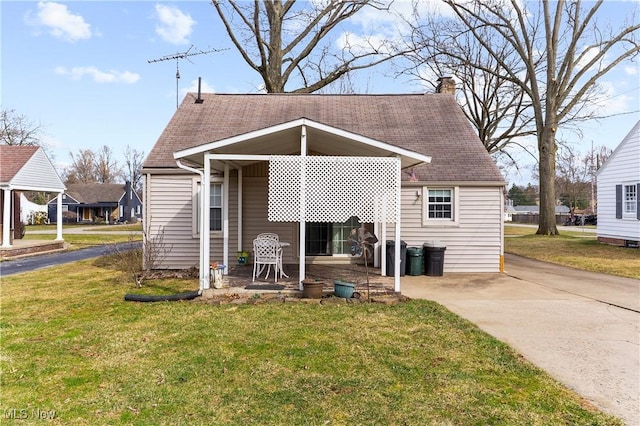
547	172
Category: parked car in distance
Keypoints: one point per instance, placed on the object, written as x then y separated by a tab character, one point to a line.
581	219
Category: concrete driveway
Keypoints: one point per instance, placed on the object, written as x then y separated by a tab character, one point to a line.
582	328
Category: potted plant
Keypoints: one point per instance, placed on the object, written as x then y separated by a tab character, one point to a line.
243	257
312	288
343	288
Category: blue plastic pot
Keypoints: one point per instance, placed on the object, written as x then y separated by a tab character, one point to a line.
343	289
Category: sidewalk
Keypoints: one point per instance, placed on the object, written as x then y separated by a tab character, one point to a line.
582	328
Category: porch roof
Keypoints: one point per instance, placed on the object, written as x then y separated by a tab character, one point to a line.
27	168
285	139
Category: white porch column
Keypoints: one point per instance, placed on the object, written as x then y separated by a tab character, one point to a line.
6	218
240	209
303	198
396	277
204	223
59	217
383	248
225	218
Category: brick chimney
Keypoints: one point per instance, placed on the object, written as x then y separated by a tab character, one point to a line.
446	85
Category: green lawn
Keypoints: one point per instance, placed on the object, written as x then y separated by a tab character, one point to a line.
71	344
572	248
94	234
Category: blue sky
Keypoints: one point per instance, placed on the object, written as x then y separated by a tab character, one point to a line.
81	69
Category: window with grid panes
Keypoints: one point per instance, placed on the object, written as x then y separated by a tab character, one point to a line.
440	203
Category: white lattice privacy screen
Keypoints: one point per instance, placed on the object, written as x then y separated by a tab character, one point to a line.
335	188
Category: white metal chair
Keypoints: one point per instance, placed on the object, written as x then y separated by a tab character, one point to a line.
269	235
266	252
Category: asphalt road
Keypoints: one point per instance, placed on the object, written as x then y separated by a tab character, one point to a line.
32	263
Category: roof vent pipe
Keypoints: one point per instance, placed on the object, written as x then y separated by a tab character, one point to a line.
199	100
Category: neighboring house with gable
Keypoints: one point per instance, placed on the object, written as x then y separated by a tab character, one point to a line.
310	167
24	168
619	193
98	203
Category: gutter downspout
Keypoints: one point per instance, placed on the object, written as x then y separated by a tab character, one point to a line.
204	267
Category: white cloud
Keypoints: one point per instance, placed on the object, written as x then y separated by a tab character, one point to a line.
174	26
609	103
111	76
631	69
60	22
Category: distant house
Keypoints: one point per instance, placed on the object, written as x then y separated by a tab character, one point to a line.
509	211
619	193
99	202
24	168
311	167
560	210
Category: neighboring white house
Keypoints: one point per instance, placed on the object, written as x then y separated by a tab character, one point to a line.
29	210
260	151
619	193
24	168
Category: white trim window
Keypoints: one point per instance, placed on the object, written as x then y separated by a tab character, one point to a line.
630	197
215	207
440	205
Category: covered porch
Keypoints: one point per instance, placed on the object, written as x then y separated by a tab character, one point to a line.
316	174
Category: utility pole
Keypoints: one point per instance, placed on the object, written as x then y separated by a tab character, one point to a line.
182	55
593	178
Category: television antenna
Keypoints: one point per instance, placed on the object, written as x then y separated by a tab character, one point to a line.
182	55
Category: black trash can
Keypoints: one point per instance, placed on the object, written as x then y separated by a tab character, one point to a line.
414	261
391	258
434	258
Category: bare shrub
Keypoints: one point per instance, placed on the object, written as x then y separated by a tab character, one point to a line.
139	263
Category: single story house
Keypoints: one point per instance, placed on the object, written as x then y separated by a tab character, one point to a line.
311	167
99	202
619	193
24	168
560	210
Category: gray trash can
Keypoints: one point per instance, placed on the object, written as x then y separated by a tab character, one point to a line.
433	253
391	258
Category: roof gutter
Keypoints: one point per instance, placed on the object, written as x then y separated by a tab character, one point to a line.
204	267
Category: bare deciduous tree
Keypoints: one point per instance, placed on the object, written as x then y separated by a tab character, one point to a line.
496	107
88	166
17	129
82	169
288	43
573	178
106	166
133	160
564	53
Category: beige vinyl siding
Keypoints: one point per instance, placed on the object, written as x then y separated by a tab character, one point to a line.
256	218
170	205
475	244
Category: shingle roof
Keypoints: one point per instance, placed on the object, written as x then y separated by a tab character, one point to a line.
430	124
94	193
13	158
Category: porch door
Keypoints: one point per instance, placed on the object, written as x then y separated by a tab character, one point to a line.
326	239
317	236
86	214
